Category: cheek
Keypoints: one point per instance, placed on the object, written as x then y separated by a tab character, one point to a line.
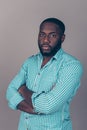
54	43
40	40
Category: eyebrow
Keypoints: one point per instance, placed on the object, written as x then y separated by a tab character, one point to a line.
49	33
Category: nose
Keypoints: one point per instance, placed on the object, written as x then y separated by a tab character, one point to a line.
46	39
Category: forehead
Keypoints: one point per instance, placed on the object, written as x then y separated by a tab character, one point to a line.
49	27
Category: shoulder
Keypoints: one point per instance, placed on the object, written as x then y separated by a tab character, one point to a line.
30	60
69	60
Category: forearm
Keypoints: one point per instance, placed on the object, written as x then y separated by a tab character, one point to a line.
26	104
26	107
12	95
65	88
25	93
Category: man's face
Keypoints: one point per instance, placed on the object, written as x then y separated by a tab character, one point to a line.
49	39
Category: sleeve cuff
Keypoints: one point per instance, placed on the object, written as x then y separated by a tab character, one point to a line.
35	108
15	100
33	101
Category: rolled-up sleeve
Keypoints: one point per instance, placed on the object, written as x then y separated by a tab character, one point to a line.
68	81
12	94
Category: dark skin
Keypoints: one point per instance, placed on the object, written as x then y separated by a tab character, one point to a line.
26	105
49	40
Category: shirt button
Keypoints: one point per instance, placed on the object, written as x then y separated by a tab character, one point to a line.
38	73
26	117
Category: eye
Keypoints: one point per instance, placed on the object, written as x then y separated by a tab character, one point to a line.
42	35
52	35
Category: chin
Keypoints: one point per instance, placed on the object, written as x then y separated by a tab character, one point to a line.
45	52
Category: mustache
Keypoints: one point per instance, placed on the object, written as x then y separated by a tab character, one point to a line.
45	44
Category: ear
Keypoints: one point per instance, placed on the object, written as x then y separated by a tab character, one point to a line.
63	38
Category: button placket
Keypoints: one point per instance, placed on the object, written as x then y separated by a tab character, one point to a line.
26	123
36	81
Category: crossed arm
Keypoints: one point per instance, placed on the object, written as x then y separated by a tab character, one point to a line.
26	104
65	88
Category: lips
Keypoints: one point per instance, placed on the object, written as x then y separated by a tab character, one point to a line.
44	46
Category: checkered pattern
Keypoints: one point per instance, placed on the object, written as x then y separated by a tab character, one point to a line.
54	85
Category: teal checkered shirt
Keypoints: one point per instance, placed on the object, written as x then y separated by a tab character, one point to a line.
54	86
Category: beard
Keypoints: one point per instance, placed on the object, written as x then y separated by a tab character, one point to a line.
51	51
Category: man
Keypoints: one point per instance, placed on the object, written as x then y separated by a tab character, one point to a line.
44	86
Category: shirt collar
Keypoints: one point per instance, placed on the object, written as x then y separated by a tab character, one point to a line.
56	56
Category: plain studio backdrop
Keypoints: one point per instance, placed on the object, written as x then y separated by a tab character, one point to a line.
19	24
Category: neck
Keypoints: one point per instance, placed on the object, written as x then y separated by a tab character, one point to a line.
45	60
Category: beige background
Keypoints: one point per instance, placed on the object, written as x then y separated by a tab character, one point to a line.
19	22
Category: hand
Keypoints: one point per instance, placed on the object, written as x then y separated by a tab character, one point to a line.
22	89
26	93
24	106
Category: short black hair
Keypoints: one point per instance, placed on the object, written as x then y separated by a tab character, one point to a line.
56	21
